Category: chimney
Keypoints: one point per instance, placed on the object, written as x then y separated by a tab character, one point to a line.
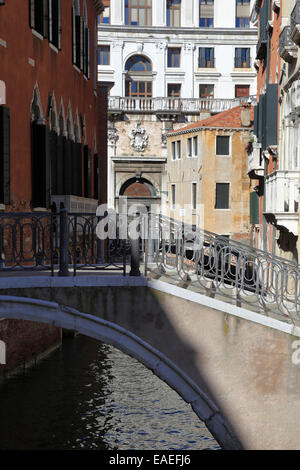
246	114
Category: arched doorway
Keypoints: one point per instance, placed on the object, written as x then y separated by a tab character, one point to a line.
138	191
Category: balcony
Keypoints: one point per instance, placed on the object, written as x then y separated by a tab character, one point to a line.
287	48
295	23
255	163
282	199
172	106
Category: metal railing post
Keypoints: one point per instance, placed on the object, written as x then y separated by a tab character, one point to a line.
135	253
64	242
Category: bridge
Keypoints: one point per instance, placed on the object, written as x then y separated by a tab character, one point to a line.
217	320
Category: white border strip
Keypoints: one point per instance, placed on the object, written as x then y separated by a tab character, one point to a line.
224	307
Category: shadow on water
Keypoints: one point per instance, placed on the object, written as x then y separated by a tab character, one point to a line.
88	395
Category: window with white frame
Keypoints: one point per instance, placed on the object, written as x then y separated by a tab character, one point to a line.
192	146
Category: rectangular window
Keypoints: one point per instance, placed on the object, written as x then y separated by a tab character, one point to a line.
173	195
242	14
173	150
138	12
242	58
222	196
174	13
179	149
192	146
194	196
195	146
206	57
206	13
174	90
242	90
206	91
189	147
55	23
222	147
103	55
104	18
39	11
174	56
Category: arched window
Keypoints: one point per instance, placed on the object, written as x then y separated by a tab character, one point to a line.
139	77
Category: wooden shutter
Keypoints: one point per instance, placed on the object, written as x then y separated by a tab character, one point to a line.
271	115
82	40
78	40
50	21
73	36
222	196
254	208
45	15
32	13
40	165
78	169
222	145
201	57
87	171
4	155
59	24
53	162
68	166
60	164
96	176
238	57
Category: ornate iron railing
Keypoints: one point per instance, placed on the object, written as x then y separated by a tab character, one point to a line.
214	265
224	268
60	242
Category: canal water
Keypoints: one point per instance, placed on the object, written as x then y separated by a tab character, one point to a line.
87	395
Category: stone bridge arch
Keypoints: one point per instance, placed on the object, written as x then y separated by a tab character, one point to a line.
25	308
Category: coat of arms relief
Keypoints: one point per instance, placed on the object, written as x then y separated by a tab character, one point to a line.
139	138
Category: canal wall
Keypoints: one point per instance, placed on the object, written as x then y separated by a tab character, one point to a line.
26	343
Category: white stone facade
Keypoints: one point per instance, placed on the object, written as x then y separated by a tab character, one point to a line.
152	42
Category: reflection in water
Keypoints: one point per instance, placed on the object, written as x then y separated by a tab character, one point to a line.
88	395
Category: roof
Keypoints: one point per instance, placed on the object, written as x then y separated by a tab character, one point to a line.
230	119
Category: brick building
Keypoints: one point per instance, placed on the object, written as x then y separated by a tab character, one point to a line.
52	126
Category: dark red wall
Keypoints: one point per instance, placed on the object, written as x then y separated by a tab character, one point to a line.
53	72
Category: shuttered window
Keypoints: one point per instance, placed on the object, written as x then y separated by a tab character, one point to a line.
254	208
96	176
4	155
40	165
55	23
39	16
222	145
87	171
206	57
222	196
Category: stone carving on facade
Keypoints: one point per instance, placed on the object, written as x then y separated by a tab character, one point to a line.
139	138
112	135
161	45
189	46
164	139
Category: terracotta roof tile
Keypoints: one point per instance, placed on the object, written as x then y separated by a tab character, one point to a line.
227	119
